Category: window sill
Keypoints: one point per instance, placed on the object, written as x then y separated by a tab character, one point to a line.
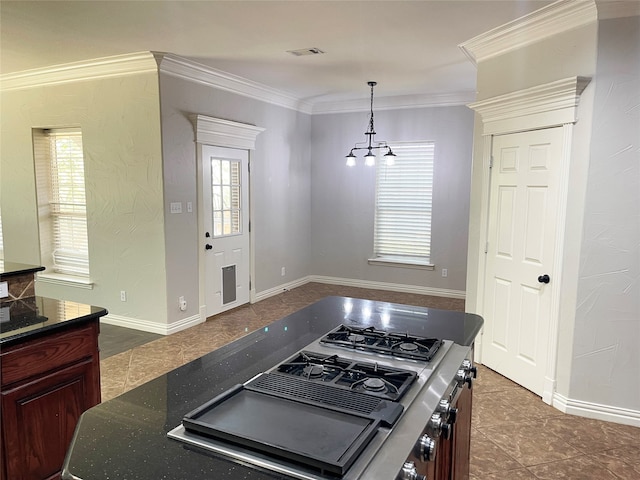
404	263
65	280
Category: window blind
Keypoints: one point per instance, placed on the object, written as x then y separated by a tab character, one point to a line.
66	201
403	204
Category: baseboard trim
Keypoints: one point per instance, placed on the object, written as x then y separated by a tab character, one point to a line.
271	292
152	327
596	411
350	282
394	287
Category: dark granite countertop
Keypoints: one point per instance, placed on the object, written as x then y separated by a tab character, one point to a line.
126	436
9	269
34	317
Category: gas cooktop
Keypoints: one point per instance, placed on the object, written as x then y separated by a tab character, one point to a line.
393	344
362	377
325	411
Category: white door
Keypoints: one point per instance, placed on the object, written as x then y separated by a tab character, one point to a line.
520	252
225	240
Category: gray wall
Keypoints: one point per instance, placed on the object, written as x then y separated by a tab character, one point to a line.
599	324
120	122
607	320
280	185
342	198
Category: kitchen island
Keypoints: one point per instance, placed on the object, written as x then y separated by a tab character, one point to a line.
50	374
126	437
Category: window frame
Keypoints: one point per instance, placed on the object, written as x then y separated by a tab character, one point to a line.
384	252
62	208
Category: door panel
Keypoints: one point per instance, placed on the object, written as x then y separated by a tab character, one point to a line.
225	189
521	247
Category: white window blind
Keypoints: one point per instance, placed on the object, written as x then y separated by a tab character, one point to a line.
403	204
61	185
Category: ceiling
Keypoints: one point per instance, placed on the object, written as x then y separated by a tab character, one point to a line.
408	47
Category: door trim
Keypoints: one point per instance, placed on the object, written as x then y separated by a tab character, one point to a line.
217	132
554	104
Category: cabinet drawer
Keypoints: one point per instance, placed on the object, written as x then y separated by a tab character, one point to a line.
48	353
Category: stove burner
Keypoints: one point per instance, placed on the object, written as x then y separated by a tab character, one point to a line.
395	344
313	371
356	338
374	384
408	347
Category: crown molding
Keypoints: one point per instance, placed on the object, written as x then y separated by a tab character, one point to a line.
395	103
554	103
106	67
143	62
176	66
555	18
225	133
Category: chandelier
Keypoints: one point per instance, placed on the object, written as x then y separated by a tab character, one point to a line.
370	158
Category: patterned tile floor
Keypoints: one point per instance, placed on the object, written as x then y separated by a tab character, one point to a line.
514	434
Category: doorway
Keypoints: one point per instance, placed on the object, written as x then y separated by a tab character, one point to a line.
521	244
225	243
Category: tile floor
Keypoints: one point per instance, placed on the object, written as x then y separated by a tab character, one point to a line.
514	434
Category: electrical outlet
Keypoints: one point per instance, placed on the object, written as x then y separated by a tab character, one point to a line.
182	304
123	296
283	271
445	272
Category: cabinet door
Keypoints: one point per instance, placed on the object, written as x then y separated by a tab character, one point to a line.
39	419
462	436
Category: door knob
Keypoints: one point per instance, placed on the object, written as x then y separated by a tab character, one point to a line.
208	247
207	235
544	278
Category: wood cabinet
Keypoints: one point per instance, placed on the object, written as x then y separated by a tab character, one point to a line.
47	382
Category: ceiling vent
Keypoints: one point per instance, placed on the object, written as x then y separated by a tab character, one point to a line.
305	51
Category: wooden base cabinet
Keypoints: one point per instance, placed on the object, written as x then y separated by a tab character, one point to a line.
47	383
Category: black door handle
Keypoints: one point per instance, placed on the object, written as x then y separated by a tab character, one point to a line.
208	247
544	278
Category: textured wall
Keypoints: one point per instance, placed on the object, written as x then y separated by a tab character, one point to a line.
343	198
120	122
607	323
280	176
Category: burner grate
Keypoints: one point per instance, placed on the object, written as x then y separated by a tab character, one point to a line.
398	345
294	387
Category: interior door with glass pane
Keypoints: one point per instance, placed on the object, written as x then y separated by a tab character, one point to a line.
225	241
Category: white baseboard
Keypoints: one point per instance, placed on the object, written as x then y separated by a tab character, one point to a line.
152	327
394	287
280	288
596	411
349	282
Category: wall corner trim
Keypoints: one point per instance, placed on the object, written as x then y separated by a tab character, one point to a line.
546	22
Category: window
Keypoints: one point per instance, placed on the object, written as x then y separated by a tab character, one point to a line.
61	201
225	195
402	231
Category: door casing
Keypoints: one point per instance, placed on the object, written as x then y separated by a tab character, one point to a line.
554	104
